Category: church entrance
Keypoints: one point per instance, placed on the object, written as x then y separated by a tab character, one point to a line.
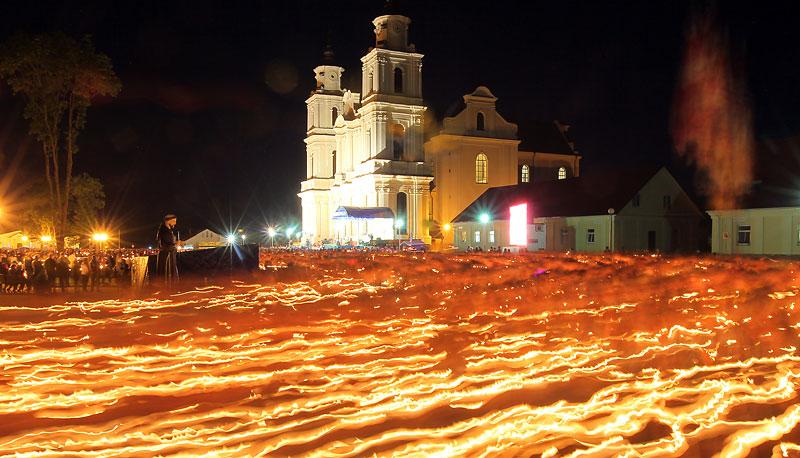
651	240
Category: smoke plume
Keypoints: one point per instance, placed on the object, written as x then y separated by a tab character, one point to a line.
711	120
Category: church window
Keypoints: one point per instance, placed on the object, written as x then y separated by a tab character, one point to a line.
525	177
590	236
477	237
398	140
398	80
481	166
667	202
491	236
334	162
334	115
402	213
480	122
562	173
637	200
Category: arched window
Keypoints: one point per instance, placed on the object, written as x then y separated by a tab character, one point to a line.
402	213
333	156
562	173
525	175
481	166
334	115
398	80
398	140
480	122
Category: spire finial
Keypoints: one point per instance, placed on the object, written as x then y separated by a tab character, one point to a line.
390	7
328	55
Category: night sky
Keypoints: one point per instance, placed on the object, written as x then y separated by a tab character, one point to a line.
211	118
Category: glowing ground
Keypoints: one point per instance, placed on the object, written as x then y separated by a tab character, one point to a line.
435	355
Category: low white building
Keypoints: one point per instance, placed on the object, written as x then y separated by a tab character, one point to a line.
205	239
767	221
756	231
637	210
16	239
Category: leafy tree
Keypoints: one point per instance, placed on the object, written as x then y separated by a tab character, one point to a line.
59	77
87	197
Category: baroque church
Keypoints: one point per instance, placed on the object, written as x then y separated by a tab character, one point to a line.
370	174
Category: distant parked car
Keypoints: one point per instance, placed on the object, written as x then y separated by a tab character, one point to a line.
413	245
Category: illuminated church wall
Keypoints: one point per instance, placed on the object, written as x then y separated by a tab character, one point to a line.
365	149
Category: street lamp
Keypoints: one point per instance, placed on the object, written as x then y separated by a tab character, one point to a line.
99	238
289	233
271	232
611	212
230	238
484	219
398	224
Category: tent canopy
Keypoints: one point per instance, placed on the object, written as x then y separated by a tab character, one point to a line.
363	213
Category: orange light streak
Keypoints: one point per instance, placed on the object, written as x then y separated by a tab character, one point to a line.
418	356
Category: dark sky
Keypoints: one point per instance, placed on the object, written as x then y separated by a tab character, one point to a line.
211	118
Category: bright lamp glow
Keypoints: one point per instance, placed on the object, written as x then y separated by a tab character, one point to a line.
484	218
447	227
289	232
100	237
231	238
46	238
271	232
518	225
24	238
398	223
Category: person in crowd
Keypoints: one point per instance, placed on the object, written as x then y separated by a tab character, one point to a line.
83	270
39	279
3	275
50	272
94	272
75	270
16	279
62	272
109	270
27	266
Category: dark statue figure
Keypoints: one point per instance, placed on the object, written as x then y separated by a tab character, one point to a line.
167	264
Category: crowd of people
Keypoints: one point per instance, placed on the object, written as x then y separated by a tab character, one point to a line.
41	271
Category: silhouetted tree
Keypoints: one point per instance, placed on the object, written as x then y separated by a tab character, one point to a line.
59	77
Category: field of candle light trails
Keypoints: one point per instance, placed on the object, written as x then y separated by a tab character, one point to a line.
418	355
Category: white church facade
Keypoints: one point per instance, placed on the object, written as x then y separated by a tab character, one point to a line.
369	173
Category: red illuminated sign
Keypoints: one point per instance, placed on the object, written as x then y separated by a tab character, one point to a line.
518	225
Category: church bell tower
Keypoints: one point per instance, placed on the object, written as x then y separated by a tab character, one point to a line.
324	105
392	90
